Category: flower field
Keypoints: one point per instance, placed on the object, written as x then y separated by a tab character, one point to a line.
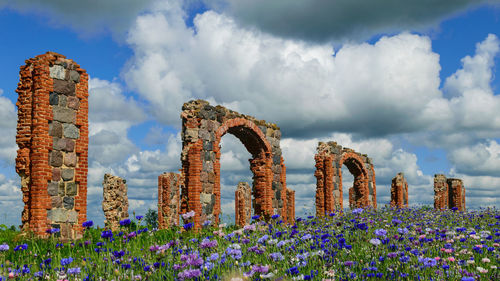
363	244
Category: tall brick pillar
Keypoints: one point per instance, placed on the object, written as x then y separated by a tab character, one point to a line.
456	194
440	192
52	136
290	197
399	192
115	201
168	200
243	204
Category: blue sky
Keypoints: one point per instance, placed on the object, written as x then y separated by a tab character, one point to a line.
413	86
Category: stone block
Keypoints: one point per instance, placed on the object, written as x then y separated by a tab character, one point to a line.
54	98
71	131
73	102
68	174
70	159
63	100
57	215
68	203
206	198
69	145
56	158
53	188
74	76
64	87
72	216
191	134
56	202
57	72
58	143
56	174
55	129
71	188
64	115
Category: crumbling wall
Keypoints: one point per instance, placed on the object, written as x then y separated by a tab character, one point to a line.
329	160
290	210
448	193
399	191
440	192
203	126
52	136
168	199
243	204
115	201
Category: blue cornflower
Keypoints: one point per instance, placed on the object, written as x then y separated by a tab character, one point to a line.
139	217
256	217
293	271
4	247
88	224
125	222
275	216
357	211
107	234
188	226
276	256
52	230
380	232
147	268
126	266
467	279
74	270
66	261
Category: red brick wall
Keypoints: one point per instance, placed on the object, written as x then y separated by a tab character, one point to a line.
399	192
35	112
168	199
440	192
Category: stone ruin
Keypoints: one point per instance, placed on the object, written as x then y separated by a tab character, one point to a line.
115	201
52	136
168	199
203	126
448	193
243	204
399	192
329	195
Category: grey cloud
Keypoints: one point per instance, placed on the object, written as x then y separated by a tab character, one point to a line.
318	20
90	16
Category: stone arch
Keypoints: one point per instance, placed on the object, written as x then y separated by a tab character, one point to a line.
329	192
203	126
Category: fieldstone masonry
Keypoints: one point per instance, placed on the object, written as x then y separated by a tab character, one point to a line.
203	126
448	193
115	201
243	204
399	191
52	136
168	199
329	160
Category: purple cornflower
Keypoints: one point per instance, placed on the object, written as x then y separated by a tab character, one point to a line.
206	243
125	222
189	273
380	232
207	223
74	270
357	211
66	261
375	241
88	224
260	268
348	263
132	234
4	247
192	259
188	215
214	256
277	256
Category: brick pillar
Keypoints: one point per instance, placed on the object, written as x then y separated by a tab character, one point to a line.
193	181
243	204
262	180
352	198
52	136
320	185
168	200
115	201
399	192
440	192
284	209
290	196
329	200
456	192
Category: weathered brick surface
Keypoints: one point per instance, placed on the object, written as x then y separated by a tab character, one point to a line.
290	208
399	191
203	126
448	193
243	204
168	199
44	85
329	160
115	201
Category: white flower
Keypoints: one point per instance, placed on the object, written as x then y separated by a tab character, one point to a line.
266	276
481	270
485	260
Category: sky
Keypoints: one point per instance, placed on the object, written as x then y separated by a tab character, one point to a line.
412	84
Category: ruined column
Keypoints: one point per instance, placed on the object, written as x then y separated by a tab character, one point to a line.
52	136
456	194
168	200
243	204
399	192
440	192
290	196
320	185
115	201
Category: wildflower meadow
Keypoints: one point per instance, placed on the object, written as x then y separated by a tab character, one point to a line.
362	244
